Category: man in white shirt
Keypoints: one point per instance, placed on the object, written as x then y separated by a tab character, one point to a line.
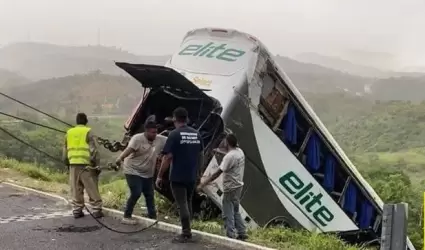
232	167
139	166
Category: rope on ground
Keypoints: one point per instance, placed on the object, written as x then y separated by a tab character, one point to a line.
105	226
84	169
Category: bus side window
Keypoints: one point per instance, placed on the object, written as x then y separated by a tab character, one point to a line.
272	101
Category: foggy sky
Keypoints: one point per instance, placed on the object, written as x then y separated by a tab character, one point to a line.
287	27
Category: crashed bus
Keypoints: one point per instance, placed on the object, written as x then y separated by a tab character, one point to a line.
296	174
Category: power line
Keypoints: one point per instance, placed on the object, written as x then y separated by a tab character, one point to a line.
28	106
34	123
29	145
78	177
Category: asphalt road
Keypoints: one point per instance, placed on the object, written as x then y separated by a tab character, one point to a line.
29	221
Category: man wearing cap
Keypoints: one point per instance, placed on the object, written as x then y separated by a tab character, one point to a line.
139	160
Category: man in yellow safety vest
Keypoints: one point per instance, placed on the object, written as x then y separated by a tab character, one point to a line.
81	156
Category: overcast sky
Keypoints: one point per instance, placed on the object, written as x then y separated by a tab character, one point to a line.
285	26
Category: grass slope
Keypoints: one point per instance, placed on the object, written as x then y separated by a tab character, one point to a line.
114	193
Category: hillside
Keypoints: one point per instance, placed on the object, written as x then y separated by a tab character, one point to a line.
9	78
399	88
381	135
98	93
334	107
346	66
93	93
316	78
384	140
42	61
340	64
38	61
387	127
363	125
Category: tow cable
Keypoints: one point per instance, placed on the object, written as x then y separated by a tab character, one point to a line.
105	143
88	168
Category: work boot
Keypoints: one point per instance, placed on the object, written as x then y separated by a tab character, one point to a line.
242	237
98	214
152	216
182	239
78	214
128	221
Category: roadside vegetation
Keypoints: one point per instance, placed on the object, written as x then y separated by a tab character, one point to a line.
114	193
383	139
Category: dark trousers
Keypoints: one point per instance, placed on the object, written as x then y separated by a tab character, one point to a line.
183	193
139	185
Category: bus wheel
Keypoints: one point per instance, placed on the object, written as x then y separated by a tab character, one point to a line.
279	222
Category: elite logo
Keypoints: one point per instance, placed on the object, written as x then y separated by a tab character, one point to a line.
303	194
212	50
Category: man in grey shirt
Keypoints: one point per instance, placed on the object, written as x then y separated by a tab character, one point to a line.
232	167
139	166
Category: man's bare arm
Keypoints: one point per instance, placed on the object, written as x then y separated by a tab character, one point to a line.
94	152
211	178
65	152
165	164
224	166
127	151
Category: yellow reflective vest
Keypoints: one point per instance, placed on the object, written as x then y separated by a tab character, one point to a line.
78	149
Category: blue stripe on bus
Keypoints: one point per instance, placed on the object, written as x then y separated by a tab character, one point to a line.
313	153
329	179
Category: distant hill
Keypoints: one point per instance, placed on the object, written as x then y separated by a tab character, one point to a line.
340	64
316	78
38	62
334	107
9	78
93	93
43	61
351	68
400	88
361	125
387	126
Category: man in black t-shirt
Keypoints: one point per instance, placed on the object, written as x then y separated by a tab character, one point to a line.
182	149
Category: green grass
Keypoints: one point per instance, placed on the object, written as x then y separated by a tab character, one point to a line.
34	172
411	162
114	193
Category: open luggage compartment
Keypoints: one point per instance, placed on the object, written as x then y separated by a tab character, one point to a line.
168	90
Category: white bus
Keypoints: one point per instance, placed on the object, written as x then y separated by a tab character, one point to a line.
296	174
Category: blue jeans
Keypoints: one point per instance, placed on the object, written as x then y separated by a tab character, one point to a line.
139	185
231	215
